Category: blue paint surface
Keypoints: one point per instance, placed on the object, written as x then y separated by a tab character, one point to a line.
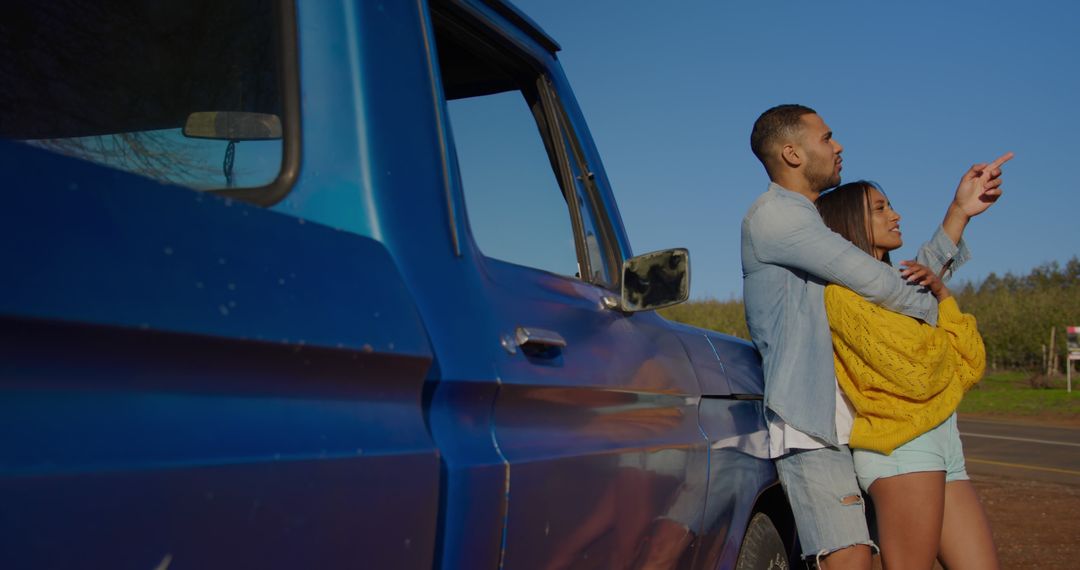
191	379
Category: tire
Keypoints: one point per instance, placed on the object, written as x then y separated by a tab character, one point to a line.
762	548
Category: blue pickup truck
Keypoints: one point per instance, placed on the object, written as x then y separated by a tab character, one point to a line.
343	284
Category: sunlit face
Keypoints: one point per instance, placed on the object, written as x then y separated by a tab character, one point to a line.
822	153
884	224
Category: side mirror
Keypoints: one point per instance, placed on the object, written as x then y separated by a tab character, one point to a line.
232	126
655	280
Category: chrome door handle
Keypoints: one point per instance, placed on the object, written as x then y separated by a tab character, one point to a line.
539	337
538	342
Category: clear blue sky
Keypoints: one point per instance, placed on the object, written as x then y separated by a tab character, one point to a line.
915	91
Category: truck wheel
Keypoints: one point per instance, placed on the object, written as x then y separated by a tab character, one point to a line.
762	548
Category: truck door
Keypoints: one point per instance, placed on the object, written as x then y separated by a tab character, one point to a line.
186	380
596	411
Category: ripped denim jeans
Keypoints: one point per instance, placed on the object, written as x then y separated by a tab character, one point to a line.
825	498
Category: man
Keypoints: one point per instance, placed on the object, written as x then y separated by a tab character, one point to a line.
788	256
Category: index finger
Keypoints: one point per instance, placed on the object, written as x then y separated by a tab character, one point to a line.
1001	160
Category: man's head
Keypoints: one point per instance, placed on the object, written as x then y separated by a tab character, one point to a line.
797	149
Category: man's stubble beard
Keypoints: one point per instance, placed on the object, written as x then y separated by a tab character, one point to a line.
824	181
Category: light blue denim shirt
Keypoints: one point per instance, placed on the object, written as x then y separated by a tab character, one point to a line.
788	256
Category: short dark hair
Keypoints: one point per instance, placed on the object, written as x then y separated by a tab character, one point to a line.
779	122
843	209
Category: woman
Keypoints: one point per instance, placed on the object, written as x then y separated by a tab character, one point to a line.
904	379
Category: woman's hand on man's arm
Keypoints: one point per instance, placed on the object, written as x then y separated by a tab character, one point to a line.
920	274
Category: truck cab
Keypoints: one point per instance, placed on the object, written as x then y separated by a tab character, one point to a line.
310	284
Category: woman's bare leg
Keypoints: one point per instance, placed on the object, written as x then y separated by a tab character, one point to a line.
857	557
909	517
966	540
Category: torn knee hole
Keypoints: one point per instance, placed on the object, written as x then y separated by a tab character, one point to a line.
851	500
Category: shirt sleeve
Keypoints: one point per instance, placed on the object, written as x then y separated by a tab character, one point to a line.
940	252
793	235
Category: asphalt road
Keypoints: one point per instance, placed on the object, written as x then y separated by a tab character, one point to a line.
1039	453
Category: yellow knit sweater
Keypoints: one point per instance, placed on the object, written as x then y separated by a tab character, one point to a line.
903	376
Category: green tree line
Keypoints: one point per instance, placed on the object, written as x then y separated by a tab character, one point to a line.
1015	313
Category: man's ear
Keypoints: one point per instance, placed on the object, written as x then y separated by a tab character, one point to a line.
791	155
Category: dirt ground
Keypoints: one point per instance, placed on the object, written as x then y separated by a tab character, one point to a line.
1035	524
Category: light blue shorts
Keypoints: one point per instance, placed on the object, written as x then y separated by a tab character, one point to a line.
936	450
825	499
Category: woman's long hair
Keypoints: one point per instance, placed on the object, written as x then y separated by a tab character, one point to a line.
844	208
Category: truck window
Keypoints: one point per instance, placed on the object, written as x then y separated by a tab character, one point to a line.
185	92
526	187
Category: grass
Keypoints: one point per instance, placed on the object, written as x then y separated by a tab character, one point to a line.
1011	394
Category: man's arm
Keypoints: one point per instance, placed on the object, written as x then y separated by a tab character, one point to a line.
940	254
979	188
792	234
